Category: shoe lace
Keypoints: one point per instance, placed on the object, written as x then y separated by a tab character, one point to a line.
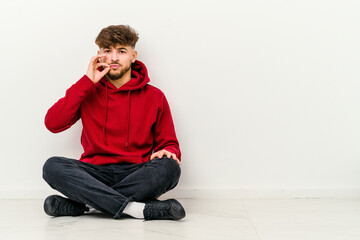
158	212
70	208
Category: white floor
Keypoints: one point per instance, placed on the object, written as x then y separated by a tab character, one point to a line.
262	219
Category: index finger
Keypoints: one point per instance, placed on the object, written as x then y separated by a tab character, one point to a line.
100	55
94	58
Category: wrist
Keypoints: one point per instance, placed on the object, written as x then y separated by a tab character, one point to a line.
88	76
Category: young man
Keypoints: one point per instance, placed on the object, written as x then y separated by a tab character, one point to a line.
131	153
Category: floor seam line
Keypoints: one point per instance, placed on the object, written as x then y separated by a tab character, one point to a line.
251	221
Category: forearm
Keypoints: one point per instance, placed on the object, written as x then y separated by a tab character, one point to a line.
164	132
66	111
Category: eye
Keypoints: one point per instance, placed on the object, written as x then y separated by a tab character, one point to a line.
107	51
122	52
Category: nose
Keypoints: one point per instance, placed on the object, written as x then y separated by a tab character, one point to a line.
114	56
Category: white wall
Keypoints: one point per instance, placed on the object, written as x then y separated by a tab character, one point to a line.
264	94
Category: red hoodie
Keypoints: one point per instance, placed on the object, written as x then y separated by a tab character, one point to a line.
119	124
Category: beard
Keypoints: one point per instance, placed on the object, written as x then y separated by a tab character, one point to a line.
116	76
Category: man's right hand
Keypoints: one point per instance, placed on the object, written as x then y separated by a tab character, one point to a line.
93	71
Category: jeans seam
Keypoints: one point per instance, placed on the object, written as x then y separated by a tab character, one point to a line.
118	214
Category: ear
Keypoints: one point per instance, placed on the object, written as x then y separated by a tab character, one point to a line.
134	55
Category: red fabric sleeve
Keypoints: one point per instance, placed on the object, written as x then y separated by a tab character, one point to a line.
65	112
164	131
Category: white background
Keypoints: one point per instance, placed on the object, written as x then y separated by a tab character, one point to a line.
264	94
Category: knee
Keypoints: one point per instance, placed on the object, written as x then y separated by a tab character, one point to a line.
170	169
51	168
174	168
164	176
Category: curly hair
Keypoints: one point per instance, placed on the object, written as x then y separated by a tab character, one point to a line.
117	34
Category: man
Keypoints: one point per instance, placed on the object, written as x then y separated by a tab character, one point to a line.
131	153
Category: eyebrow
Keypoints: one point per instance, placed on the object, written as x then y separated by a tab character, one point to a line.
120	48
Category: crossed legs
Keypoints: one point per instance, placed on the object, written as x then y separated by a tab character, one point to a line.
109	188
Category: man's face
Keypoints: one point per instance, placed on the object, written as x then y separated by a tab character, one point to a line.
119	58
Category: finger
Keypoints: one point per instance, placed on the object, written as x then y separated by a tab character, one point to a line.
152	156
175	158
97	65
95	58
104	71
99	56
168	154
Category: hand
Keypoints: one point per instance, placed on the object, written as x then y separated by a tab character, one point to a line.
93	72
161	153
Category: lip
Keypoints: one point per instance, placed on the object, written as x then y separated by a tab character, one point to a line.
114	66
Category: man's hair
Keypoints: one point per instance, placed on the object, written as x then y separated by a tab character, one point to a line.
117	34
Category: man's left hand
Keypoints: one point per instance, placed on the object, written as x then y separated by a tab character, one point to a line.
161	153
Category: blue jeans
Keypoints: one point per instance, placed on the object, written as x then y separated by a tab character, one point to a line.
109	188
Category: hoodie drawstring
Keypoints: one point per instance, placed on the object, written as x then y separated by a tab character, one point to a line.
128	121
106	111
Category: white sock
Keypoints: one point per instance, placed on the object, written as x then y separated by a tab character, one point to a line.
135	209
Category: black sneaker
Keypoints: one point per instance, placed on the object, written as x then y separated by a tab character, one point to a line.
163	210
55	205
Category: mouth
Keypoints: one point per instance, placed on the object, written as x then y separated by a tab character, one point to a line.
114	66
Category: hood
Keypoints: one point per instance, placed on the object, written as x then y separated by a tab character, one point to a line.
139	78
